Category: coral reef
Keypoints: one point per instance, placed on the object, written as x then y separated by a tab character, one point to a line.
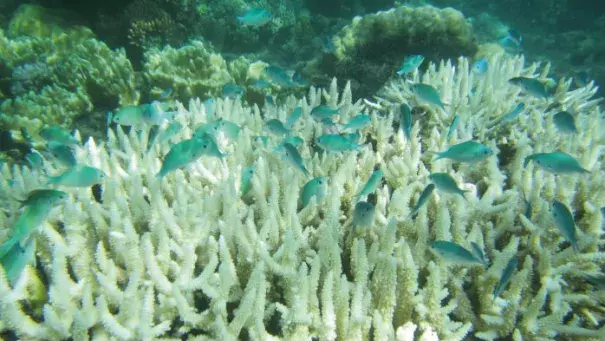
371	47
80	73
185	257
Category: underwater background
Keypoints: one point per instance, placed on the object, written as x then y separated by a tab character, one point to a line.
42	46
302	170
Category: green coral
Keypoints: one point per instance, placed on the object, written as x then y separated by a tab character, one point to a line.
84	73
191	71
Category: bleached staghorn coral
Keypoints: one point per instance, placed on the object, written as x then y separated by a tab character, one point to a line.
184	257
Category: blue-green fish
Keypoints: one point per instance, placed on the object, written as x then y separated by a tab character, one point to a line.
154	114
480	67
428	94
454	253
57	134
565	223
182	154
565	122
406	120
323	111
28	221
276	127
373	182
478	252
130	115
363	214
210	148
34	160
170	131
511	43
336	143
469	151
410	64
62	153
353	137
329	127
556	162
229	129
531	85
209	108
357	122
260	84
295	141
453	126
78	176
446	183
423	199
292	156
514	113
17	258
294	116
261	140
232	91
315	187
43	197
507	275
299	80
246	179
278	75
255	17
269	100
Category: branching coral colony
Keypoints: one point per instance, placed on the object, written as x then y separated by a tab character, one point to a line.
186	256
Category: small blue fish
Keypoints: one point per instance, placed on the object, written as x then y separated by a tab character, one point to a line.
232	91
43	197
353	137
423	199
531	85
278	75
276	127
372	183
511	45
255	17
170	131
565	223
323	111
469	151
428	94
269	100
261	139
453	126
357	122
565	122
454	253
315	187
78	176
329	127
556	162
166	93
480	66
17	258
209	108
260	84
507	275
363	214
410	64
293	140
130	115
294	116
478	252
34	160
154	113
292	156
514	113
229	129
57	134
446	183
246	179
406	120
182	154
62	153
298	79
336	143
327	45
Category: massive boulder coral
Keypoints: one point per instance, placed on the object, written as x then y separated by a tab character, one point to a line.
187	257
194	70
369	48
